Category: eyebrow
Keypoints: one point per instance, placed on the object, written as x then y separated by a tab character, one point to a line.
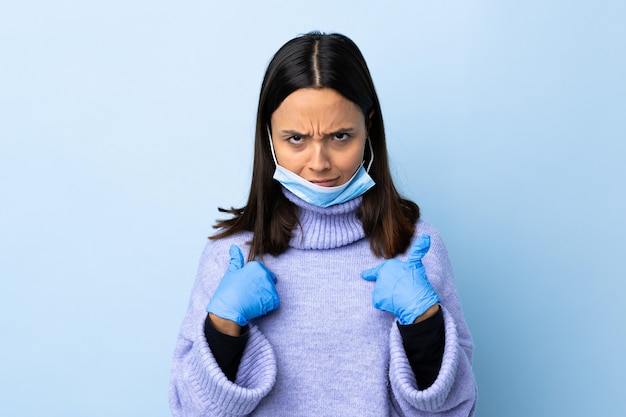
340	130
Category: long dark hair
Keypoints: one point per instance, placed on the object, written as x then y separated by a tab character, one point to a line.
318	60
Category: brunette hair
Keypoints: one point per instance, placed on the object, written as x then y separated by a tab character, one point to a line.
318	60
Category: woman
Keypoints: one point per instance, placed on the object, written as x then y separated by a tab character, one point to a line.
346	305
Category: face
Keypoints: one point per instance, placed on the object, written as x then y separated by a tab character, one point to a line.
319	135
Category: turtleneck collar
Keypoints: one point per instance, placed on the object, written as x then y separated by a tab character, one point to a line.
326	228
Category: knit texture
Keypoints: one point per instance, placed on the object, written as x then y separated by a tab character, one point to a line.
326	351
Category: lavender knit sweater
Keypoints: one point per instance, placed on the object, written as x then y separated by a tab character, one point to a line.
326	351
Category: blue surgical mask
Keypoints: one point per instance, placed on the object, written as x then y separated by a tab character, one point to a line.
324	196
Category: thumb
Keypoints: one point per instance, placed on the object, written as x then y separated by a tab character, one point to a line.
371	274
236	258
419	249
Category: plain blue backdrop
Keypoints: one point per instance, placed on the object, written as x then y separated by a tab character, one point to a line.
124	124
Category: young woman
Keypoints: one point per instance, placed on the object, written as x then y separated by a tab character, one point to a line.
325	295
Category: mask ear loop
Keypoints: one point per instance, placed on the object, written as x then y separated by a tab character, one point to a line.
369	141
269	135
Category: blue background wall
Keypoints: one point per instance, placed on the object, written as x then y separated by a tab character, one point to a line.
124	124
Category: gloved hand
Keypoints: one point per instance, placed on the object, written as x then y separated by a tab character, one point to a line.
245	291
402	287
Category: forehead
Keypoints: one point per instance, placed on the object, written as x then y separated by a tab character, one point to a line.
324	107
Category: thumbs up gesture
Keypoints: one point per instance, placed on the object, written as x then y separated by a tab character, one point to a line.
246	291
402	288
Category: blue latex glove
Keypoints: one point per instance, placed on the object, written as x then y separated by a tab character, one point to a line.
245	291
402	287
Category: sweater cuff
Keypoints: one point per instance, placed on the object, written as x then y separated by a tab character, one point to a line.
402	377
255	379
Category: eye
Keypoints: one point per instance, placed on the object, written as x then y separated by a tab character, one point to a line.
341	137
295	139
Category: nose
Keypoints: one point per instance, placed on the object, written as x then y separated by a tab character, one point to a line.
319	160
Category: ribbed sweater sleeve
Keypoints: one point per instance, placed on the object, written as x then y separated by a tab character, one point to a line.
198	386
453	393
